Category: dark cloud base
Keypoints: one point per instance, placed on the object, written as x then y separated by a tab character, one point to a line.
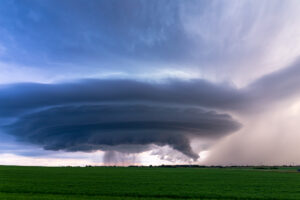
88	115
93	127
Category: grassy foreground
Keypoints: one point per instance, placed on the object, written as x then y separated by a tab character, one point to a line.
64	183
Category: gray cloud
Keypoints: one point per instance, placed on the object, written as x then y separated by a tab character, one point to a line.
114	114
272	88
16	99
19	98
92	127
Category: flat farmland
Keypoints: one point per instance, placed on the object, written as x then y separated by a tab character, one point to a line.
66	183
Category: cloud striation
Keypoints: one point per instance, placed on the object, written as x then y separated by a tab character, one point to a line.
109	115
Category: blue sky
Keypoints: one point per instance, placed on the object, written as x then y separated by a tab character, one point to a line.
125	78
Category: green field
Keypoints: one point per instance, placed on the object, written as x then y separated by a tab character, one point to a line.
58	183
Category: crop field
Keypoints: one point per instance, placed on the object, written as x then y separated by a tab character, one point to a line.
103	183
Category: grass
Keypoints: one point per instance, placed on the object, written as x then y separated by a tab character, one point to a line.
66	183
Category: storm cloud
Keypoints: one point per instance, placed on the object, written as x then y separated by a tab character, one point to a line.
149	82
90	115
108	115
93	127
16	99
19	98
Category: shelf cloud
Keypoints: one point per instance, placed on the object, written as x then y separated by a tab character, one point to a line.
94	127
89	115
160	77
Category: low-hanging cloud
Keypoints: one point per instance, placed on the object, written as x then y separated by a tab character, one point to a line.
89	115
23	97
93	127
16	99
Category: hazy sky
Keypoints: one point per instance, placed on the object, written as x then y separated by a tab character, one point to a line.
149	82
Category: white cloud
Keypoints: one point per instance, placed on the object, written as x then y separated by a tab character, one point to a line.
242	40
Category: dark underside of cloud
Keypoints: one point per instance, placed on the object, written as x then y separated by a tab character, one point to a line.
92	115
92	127
23	97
